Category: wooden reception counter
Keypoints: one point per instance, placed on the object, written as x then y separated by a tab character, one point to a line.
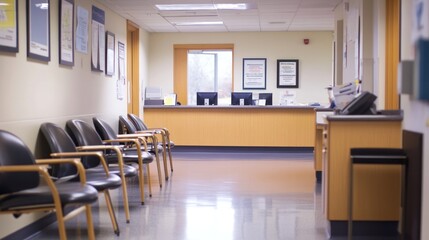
259	126
376	191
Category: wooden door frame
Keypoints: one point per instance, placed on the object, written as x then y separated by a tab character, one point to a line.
133	70
393	9
181	66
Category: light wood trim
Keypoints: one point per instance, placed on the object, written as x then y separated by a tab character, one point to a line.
318	147
203	46
181	66
377	187
392	53
133	67
181	75
236	126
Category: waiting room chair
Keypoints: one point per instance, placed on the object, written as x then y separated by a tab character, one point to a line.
167	144
128	130
87	139
53	141
139	155
21	190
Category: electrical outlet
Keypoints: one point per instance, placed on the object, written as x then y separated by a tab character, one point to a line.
427	122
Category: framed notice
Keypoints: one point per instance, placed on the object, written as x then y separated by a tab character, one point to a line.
121	70
110	53
98	33
287	73
9	26
254	73
38	30
66	32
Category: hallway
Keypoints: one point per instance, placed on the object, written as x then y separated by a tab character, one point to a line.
233	195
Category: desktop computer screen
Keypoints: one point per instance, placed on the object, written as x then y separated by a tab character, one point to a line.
268	97
206	98
241	98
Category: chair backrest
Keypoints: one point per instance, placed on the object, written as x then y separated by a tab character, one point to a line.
104	130
58	141
84	135
126	126
13	151
138	123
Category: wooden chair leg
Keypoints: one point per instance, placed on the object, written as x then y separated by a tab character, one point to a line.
90	223
170	157
61	220
159	167
164	156
125	197
141	183
111	212
148	180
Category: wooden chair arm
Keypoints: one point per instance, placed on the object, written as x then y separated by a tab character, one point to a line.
82	154
109	147
74	161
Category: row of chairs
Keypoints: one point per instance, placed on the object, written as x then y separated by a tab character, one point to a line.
81	161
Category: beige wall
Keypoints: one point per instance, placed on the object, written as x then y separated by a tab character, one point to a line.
33	92
315	59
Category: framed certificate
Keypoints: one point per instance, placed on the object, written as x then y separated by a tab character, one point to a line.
38	30
66	32
9	26
110	53
287	73
254	73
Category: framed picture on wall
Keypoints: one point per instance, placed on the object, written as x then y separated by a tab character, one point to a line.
254	73
38	30
110	53
287	73
66	38
9	26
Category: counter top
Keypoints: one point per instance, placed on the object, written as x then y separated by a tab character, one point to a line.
398	117
224	107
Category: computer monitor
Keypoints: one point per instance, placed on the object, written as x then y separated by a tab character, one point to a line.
363	104
268	97
206	98
241	98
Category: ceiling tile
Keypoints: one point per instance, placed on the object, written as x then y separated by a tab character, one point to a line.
264	15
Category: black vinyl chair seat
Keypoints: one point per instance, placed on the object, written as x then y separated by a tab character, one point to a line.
54	140
138	125
100	181
126	127
69	192
130	157
21	190
129	171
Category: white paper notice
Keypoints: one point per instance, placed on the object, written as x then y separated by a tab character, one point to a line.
82	30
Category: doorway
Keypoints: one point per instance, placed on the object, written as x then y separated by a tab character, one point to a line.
133	83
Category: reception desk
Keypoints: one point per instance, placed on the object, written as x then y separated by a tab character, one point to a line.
238	126
376	192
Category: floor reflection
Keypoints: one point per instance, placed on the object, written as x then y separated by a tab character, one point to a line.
226	199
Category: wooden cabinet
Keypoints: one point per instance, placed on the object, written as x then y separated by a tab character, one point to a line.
377	188
376	192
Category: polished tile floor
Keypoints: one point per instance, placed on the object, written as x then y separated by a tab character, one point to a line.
218	196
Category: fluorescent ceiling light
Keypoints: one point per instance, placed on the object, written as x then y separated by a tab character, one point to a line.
198	23
191	7
231	6
4	4
184	7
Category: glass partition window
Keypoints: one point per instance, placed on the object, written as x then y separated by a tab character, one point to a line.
210	71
